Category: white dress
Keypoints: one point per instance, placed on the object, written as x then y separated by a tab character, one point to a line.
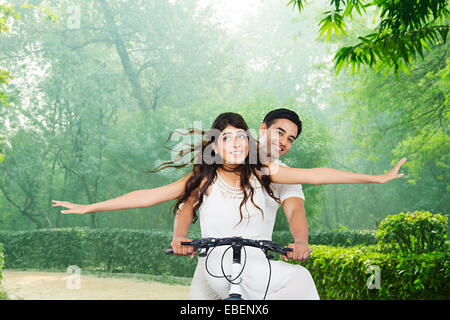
219	217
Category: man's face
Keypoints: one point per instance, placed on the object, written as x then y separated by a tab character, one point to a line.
279	137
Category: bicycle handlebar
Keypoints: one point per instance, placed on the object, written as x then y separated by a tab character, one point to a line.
233	241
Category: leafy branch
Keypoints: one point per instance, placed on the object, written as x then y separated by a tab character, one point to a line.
405	29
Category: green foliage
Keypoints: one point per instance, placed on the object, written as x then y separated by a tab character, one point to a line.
5	76
332	238
389	50
106	250
338	272
344	274
42	249
333	21
6	12
76	135
133	251
428	140
88	139
118	250
391	119
403	31
413	232
49	16
3	144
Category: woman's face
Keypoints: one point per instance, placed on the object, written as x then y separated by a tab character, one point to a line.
232	145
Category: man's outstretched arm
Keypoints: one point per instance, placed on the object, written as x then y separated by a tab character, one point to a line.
285	175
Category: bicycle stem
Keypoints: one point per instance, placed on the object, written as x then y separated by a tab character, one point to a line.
236	269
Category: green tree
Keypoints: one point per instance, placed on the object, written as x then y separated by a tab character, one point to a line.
77	80
409	117
375	121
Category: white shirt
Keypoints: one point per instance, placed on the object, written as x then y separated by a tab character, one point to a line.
284	191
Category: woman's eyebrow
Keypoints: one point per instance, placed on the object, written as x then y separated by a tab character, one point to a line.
227	132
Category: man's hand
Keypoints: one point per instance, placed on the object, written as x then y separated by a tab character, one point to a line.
182	250
392	174
300	252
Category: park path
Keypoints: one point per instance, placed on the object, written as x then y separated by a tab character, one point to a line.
37	285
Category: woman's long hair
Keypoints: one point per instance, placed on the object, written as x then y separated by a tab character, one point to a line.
208	169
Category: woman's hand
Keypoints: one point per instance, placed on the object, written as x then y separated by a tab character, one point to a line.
300	252
73	208
182	250
393	174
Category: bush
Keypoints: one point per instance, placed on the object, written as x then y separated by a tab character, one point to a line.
108	250
343	273
42	249
332	238
413	232
339	272
119	250
133	251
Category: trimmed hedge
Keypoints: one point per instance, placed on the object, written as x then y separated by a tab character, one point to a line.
332	238
42	249
118	250
108	250
133	251
339	272
343	273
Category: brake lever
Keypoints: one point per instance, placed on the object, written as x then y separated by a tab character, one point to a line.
204	243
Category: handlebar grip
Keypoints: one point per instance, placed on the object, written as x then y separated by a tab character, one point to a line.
170	251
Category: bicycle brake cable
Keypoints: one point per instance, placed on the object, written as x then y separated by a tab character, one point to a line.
245	261
221	265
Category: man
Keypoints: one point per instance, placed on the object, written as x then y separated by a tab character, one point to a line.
279	130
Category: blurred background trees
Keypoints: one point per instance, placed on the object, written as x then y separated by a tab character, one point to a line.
93	89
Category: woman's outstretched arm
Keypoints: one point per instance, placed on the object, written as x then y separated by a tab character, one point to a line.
135	199
286	175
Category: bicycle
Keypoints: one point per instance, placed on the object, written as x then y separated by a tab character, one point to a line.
237	244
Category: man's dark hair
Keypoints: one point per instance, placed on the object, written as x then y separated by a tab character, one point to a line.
283	113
